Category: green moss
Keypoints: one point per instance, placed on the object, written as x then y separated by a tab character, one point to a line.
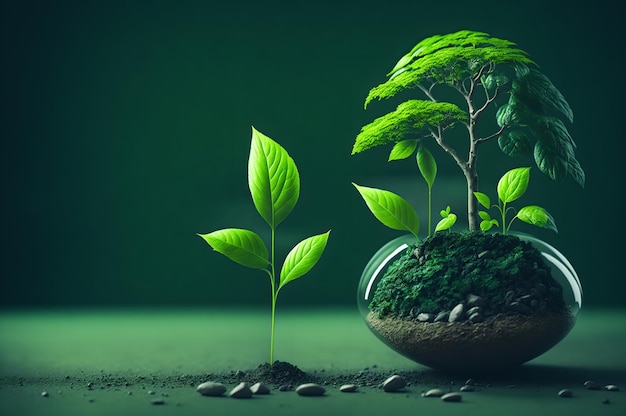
443	270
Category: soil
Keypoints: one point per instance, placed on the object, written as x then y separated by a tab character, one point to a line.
497	344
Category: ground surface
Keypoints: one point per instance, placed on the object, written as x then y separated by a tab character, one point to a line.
126	355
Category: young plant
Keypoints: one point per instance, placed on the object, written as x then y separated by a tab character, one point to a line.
489	74
511	186
274	184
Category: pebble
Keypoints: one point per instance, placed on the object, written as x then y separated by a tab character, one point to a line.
348	388
611	387
566	393
241	391
473	310
519	307
394	383
474	300
467	387
433	393
442	317
286	387
451	397
425	317
457	313
260	388
310	389
44	394
592	385
211	388
476	318
158	401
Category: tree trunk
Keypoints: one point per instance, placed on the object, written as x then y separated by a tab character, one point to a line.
472	202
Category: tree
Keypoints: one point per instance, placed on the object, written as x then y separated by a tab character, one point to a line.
488	73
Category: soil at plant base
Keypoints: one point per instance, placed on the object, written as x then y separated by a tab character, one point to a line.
499	343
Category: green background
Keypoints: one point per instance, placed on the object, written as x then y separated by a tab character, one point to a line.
126	127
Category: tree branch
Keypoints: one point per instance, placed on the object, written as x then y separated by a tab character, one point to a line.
491	136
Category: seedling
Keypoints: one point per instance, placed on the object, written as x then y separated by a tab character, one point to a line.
511	186
274	184
490	75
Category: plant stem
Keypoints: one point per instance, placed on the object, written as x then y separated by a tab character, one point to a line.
274	295
430	208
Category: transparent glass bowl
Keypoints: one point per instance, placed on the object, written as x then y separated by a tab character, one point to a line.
455	346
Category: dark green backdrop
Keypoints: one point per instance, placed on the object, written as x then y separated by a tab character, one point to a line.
126	127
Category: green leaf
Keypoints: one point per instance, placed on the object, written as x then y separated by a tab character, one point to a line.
484	215
445	212
486	225
516	143
402	150
302	258
537	93
493	80
446	223
426	164
483	199
513	184
241	246
536	215
273	179
390	209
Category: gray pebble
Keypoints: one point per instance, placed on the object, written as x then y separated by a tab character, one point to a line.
150	392
457	313
611	387
285	387
158	401
442	317
566	393
241	391
476	318
475	309
348	388
211	388
310	389
474	300
467	387
592	385
259	388
433	393
425	317
451	397
394	383
519	307
44	394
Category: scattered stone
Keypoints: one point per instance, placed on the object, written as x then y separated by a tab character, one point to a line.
467	387
457	313
286	387
474	300
519	307
425	317
130	393
451	397
89	386
260	388
433	393
394	383
476	318
44	394
566	393
592	385
475	309
158	402
482	254
442	317
348	388
150	392
241	391
211	388
470	382
611	387
310	389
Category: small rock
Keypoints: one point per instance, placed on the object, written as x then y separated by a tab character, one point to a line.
158	401
130	393
474	300
310	389
470	382
348	388
260	388
442	317
475	309
150	392
211	388
44	394
519	307
467	387
566	393
457	313
476	318
433	393
611	387
286	387
241	391
451	397
592	385
482	254
425	317
394	383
